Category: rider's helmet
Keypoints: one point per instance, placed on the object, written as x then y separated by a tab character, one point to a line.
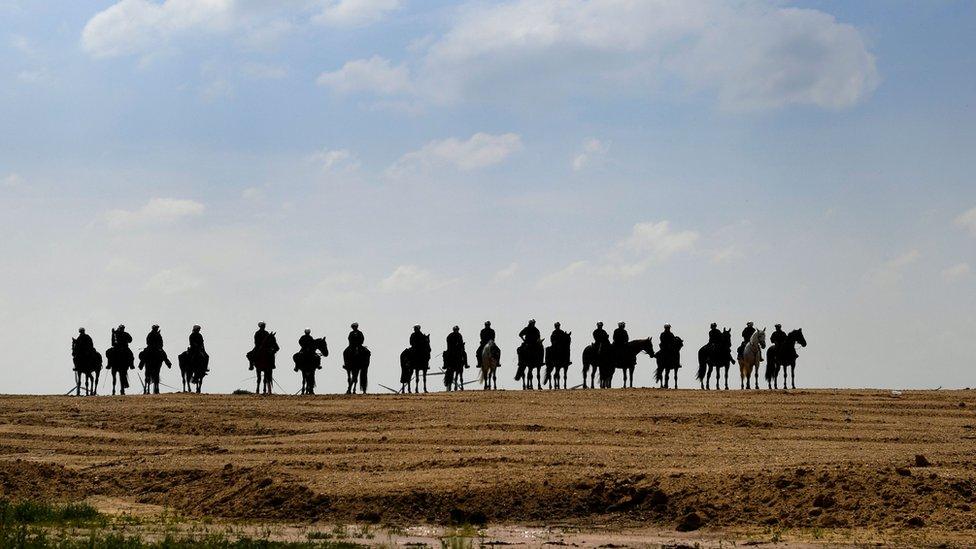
416	327
260	324
532	322
121	326
714	325
599	324
667	326
621	324
155	326
196	327
456	329
749	324
487	323
778	326
308	331
355	325
81	330
557	325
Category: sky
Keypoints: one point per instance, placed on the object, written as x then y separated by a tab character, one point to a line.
310	163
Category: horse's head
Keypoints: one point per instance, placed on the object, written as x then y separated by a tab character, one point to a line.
760	338
797	336
322	346
727	337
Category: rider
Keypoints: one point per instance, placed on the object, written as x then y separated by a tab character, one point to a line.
487	334
620	339
356	338
455	343
560	341
600	336
154	342
714	335
667	339
83	345
778	337
261	336
306	344
418	340
196	346
746	336
530	334
121	340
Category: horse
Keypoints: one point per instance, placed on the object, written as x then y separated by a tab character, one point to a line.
558	360
625	357
667	361
490	358
263	360
530	357
414	361
455	361
355	361
88	364
193	368
596	357
784	357
120	361
751	359
152	359
308	362
716	357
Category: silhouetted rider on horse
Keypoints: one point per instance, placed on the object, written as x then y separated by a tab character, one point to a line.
84	346
356	338
778	337
455	345
154	343
620	340
197	348
560	340
306	348
714	335
120	341
600	336
418	341
487	334
263	342
746	336
668	340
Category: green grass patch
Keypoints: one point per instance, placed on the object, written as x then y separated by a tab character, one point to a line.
41	513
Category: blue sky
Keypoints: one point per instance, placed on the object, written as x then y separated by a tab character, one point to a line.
315	162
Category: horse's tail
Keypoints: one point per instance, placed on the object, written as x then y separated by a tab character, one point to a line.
702	362
363	368
657	372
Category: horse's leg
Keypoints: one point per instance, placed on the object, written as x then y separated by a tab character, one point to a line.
792	375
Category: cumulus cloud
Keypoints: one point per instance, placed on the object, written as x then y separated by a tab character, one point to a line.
967	220
156	211
375	75
956	272
593	152
173	281
658	239
892	271
480	151
564	275
330	160
355	12
407	278
750	55
507	273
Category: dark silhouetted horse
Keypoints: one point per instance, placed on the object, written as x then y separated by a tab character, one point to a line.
120	361
414	364
667	360
531	356
558	360
597	360
491	357
455	361
152	359
263	358
625	357
87	363
784	356
308	362
355	361
193	368
715	357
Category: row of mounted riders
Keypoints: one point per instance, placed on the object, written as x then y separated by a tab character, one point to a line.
601	358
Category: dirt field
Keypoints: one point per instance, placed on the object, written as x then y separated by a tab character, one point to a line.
811	464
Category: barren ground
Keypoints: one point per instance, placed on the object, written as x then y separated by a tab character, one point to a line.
798	465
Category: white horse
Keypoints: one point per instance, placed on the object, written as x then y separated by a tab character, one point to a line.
490	359
751	358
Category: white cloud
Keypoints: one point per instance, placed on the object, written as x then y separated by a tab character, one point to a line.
34	76
12	180
967	220
156	211
355	12
173	281
892	271
593	152
507	273
658	239
752	55
263	71
331	160
406	278
564	275
252	193
336	289
480	151
956	272
375	75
